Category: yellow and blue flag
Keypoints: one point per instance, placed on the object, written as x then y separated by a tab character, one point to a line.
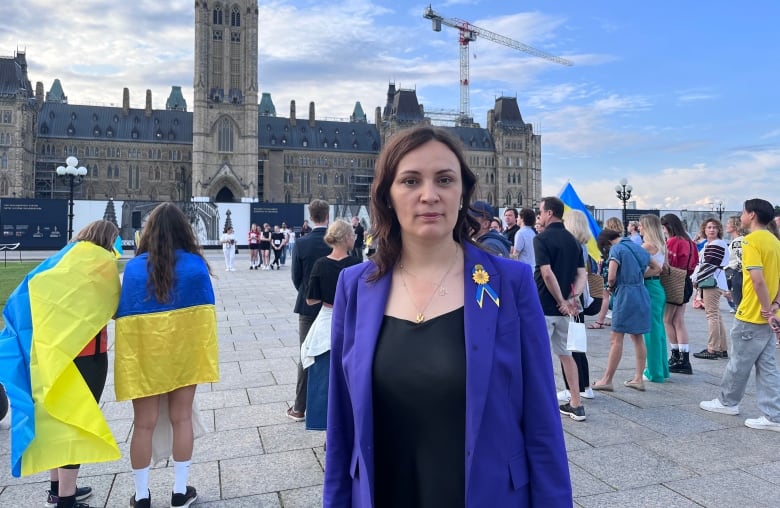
572	201
162	346
49	318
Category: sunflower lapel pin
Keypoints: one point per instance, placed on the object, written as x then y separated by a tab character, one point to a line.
481	278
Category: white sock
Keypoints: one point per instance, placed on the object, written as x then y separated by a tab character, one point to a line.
141	478
684	348
181	470
675	346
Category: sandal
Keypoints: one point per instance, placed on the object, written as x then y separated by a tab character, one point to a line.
606	387
597	326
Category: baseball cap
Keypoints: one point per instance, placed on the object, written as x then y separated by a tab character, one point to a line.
482	210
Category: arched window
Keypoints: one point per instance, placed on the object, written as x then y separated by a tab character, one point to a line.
508	199
4	161
225	131
235	16
520	199
4	187
218	14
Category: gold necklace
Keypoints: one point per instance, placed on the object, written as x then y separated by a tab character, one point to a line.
441	289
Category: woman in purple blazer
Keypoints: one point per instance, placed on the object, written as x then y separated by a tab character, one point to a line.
441	386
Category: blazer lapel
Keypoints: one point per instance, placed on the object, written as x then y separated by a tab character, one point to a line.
370	302
480	326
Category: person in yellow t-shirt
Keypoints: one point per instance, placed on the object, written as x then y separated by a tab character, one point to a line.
752	341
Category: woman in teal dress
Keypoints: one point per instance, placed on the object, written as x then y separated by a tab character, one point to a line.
655	341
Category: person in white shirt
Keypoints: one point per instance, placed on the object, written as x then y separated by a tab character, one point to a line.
228	241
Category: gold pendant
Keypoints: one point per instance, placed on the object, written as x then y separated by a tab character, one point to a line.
420	317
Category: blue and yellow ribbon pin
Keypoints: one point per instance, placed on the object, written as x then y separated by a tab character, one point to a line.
481	277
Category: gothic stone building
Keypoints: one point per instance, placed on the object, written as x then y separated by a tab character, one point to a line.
230	147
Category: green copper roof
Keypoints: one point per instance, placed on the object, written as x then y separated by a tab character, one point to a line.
266	107
56	94
358	115
176	100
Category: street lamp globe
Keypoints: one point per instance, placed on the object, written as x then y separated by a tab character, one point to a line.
72	170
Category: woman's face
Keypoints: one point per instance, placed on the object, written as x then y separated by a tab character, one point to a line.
711	231
666	232
426	192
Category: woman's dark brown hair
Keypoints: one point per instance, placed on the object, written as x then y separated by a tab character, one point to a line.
674	227
101	232
384	223
167	229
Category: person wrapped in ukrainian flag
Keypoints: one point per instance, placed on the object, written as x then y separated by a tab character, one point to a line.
166	343
53	362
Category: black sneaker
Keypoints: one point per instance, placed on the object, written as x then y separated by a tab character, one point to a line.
186	499
706	355
575	413
723	354
141	503
81	494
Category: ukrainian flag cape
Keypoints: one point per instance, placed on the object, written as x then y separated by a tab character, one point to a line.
162	346
56	310
571	201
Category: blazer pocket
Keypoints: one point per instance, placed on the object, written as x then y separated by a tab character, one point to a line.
518	471
353	466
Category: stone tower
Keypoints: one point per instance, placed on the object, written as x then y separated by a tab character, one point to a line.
224	130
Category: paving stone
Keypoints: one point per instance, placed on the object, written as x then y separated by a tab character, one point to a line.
269	473
729	489
308	497
652	496
272	413
292	436
626	466
719	450
228	443
223	398
604	429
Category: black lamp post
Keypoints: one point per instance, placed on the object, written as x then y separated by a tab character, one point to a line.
623	192
720	210
74	172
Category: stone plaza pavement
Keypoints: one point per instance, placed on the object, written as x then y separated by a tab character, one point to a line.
655	448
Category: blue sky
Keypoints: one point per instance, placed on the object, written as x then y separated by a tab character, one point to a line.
678	97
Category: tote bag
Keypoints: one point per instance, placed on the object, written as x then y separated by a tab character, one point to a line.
673	281
576	338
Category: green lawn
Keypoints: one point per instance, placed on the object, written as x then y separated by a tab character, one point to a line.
11	275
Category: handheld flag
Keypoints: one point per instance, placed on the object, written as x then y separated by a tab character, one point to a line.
572	201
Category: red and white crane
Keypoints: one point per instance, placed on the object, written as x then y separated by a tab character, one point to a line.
468	33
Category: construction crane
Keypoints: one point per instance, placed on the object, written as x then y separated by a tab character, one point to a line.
468	33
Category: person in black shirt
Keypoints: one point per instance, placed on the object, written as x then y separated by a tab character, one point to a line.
277	244
315	351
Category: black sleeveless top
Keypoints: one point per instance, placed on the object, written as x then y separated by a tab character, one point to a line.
419	390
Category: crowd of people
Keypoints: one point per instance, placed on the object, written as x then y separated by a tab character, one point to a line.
453	310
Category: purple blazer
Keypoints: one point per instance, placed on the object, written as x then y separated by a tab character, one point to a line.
515	452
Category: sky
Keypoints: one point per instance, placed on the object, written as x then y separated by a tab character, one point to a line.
679	98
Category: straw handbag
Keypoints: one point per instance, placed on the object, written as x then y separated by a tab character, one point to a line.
673	281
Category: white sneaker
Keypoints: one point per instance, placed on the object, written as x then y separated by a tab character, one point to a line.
715	406
762	423
564	396
232	269
588	393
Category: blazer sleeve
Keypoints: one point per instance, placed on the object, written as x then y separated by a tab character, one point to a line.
337	491
548	468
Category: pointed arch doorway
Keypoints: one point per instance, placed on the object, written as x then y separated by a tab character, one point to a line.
225	195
